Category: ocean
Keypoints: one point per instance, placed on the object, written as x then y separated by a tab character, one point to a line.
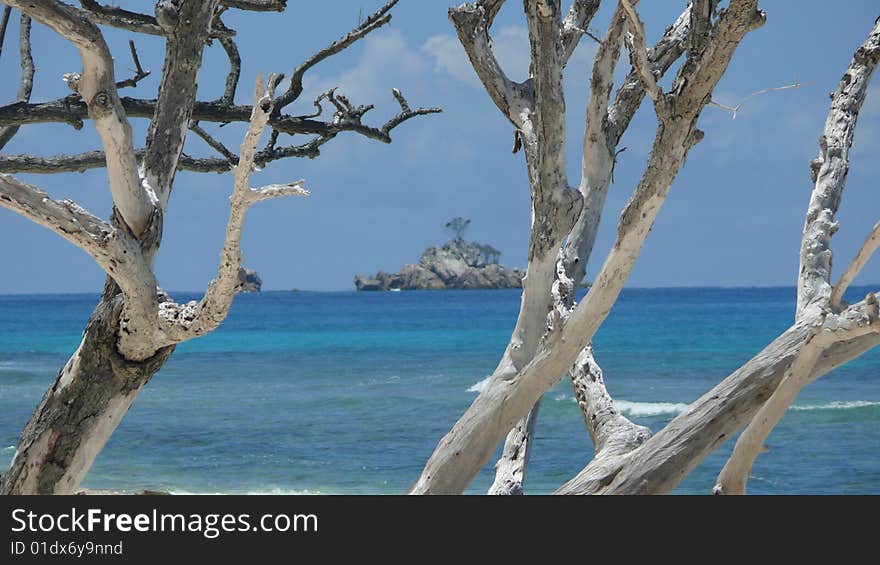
345	392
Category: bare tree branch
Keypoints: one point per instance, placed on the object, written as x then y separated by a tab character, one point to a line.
612	433
188	29
232	78
113	249
98	88
472	23
639	51
734	109
461	453
829	331
216	145
820	340
139	73
27	73
672	453
576	23
121	18
64	217
181	323
257	5
372	23
855	267
7	11
830	170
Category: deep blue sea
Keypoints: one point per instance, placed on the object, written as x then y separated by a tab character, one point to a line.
344	392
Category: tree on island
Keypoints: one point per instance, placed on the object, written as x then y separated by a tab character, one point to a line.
457	226
489	254
136	326
553	334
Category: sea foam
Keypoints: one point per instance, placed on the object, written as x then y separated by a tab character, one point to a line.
849	405
661	408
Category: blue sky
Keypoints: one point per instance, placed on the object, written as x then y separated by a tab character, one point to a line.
734	216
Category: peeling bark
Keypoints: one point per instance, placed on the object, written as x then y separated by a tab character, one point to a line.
508	397
82	409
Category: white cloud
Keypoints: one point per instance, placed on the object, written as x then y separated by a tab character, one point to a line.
385	60
510	44
449	57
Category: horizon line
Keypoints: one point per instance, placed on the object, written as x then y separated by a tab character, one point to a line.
335	291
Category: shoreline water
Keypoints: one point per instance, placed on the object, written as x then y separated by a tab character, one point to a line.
347	393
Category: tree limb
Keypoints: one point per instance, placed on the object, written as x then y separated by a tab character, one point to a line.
472	23
181	323
372	23
177	92
113	249
97	87
576	23
27	72
829	176
4	22
672	453
257	5
459	455
121	18
639	51
834	329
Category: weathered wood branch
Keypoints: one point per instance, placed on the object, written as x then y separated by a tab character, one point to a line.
232	78
510	468
793	359
466	448
257	5
117	252
639	51
672	453
576	23
4	23
97	86
818	303
612	433
829	176
120	18
186	34
27	71
375	21
183	322
472	23
600	140
833	329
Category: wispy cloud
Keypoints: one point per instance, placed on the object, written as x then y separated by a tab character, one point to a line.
510	44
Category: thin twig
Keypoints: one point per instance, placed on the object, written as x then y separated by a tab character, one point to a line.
372	23
139	74
734	109
214	143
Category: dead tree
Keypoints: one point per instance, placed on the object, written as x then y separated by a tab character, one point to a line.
135	326
552	335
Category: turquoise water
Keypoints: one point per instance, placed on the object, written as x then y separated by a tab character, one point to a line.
349	392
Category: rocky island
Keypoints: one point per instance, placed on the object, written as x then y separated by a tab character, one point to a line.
457	264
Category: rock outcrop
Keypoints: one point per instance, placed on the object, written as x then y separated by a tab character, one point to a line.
248	281
456	265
